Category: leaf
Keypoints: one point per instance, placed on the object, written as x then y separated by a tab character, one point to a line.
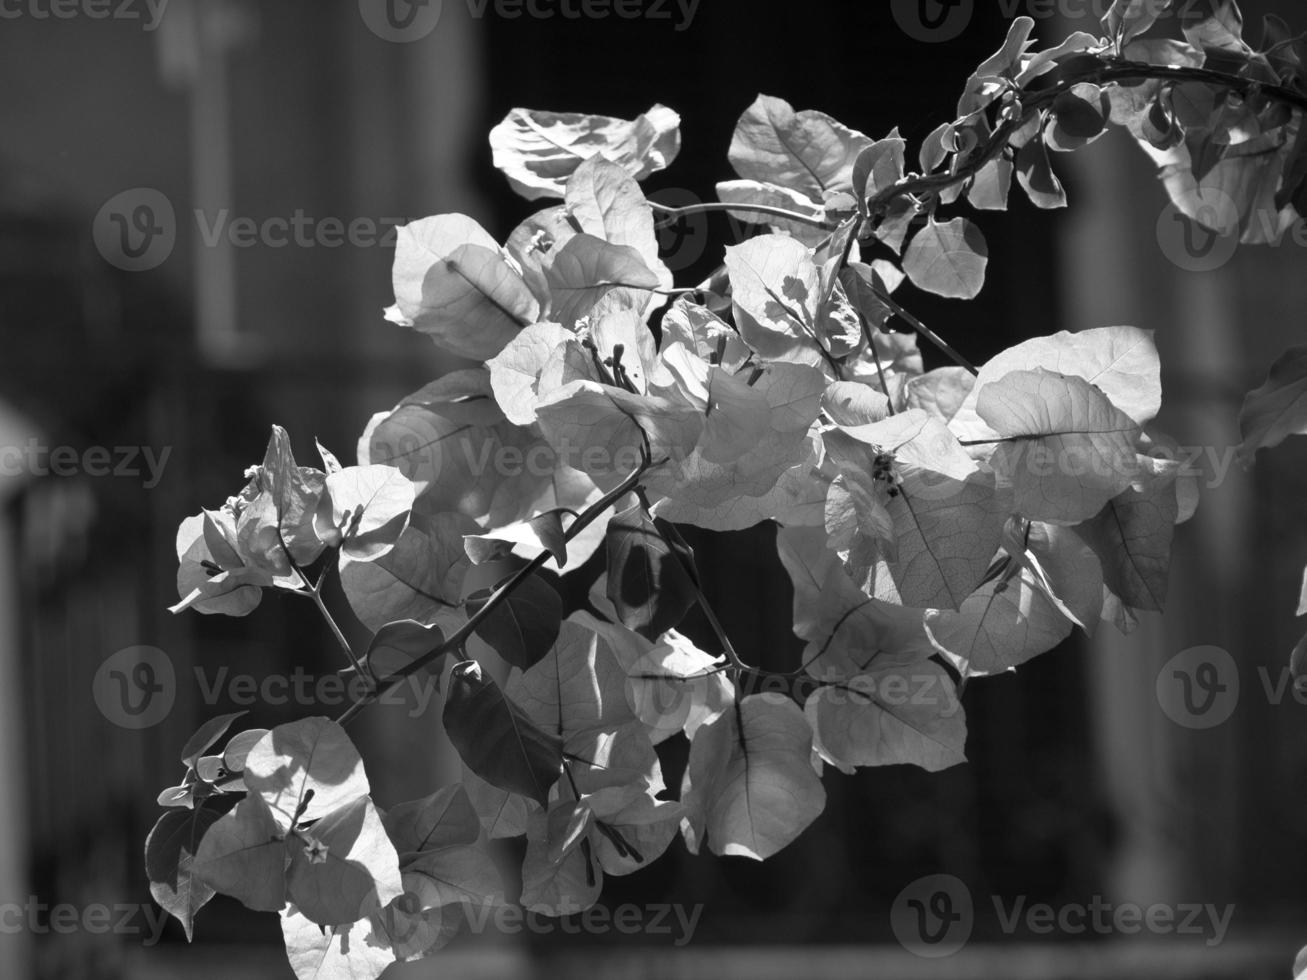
749	784
587	270
1006	622
398	644
292	494
446	818
944	513
344	867
604	430
677	687
524	625
364	509
313	755
577	686
1278	409
753	193
1132	538
420	579
559	876
453	284
804	151
891	717
651	582
940	393
989	189
848	633
357	951
502	814
775	287
538	151
1035	174
243	855
515	371
1129	18
496	738
878	167
207	736
1213	24
752	435
238	748
1067	449
526	539
1080	116
1121	362
607	203
948	259
170	852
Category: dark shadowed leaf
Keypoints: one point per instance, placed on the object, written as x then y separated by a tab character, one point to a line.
523	627
169	852
650	582
496	739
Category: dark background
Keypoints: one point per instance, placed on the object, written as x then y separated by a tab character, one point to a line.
313	112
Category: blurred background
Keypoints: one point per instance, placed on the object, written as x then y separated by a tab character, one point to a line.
170	338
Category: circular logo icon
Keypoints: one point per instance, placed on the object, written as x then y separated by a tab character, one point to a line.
1199	688
682	239
933	916
1204	242
401	21
136	687
136	230
932	21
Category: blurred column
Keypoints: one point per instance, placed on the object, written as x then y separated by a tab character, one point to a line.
15	946
412	129
1169	786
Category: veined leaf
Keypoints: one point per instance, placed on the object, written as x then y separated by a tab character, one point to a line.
1066	449
894	716
1278	409
539	151
497	739
948	259
749	785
